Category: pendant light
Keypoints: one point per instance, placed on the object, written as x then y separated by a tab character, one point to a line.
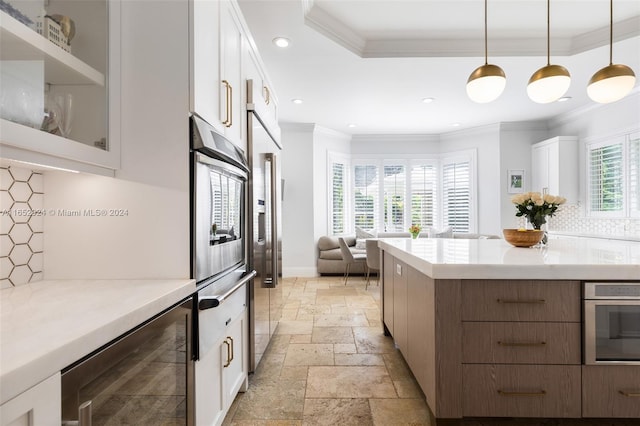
614	81
486	83
550	82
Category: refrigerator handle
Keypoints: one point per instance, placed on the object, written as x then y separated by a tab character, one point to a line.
274	220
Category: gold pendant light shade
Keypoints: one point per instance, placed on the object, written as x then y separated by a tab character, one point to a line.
548	84
611	83
614	81
486	83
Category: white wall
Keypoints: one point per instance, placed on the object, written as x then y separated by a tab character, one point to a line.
515	154
324	142
486	141
149	240
298	248
391	145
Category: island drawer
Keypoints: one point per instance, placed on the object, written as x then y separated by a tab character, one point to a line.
520	300
611	391
521	343
521	390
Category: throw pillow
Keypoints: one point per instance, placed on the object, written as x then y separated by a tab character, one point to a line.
443	233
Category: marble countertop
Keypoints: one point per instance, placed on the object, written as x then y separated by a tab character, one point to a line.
47	325
562	258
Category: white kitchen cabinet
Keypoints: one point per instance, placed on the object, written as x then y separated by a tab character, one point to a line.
254	70
235	359
555	167
37	406
232	90
36	70
222	373
222	369
205	47
217	85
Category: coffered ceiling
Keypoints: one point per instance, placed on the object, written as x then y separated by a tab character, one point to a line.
370	63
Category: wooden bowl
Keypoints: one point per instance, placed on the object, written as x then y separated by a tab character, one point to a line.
523	238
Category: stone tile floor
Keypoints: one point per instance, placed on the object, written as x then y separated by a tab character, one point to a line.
330	364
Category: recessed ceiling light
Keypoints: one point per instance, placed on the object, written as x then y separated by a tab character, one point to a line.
564	99
296	101
455	124
351	125
428	100
281	42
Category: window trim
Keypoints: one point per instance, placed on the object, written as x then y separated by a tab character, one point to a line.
624	138
345	159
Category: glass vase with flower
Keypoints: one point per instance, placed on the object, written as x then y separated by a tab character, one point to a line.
536	207
414	230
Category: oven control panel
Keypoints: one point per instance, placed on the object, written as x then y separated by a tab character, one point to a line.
594	290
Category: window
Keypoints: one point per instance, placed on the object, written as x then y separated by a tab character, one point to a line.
394	196
391	195
613	177
456	194
365	196
424	182
634	175
338	189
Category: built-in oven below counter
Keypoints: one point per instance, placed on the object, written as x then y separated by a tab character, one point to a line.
612	323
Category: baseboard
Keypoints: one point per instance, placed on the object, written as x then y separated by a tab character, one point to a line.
300	272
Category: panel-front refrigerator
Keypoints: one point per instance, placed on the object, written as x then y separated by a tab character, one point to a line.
264	228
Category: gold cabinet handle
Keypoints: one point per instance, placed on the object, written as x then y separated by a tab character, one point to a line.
521	343
231	339
532	301
267	95
227	118
228	354
516	393
230	106
634	394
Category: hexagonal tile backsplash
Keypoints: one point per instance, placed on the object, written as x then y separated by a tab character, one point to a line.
21	236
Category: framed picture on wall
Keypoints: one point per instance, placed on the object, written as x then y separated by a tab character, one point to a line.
515	181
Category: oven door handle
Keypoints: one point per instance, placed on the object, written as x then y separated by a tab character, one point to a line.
208	302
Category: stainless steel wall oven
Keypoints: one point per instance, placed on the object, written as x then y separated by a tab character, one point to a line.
612	323
218	205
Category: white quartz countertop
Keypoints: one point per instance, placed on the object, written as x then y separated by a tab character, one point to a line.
562	258
48	325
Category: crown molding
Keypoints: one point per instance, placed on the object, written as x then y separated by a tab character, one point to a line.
326	24
363	137
332	28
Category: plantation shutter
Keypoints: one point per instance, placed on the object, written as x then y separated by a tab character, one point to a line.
606	178
394	197
634	174
456	195
337	198
365	195
423	195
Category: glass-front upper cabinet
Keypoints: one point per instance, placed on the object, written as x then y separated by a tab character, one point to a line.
59	82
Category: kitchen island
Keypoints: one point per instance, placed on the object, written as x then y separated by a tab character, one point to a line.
491	330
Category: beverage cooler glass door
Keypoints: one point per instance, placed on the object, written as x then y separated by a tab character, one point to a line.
612	332
144	377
